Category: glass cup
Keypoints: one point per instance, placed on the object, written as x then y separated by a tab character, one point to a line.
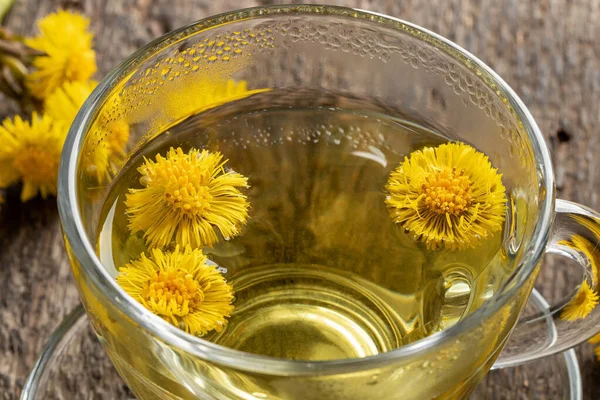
393	65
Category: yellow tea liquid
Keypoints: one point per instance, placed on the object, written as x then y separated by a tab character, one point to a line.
320	271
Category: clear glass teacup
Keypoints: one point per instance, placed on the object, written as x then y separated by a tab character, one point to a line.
329	58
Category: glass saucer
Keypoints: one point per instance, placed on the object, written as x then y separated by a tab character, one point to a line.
73	365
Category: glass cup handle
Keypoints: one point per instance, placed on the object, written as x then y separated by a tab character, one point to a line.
576	235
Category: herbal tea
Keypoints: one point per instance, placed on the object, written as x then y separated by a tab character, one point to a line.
320	269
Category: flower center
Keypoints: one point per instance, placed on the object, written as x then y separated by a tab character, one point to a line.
186	186
447	191
80	65
174	288
36	165
189	198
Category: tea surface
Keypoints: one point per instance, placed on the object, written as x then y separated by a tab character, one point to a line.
320	271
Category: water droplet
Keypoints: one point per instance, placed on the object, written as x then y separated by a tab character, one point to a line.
374	380
144	180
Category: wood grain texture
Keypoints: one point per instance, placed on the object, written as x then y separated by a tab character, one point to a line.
547	50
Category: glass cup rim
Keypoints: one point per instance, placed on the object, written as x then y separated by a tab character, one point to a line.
83	249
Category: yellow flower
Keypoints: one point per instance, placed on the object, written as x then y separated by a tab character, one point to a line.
64	103
30	152
181	288
69	57
187	198
581	304
447	196
108	137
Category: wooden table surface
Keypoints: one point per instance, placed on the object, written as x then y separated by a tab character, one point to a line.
547	50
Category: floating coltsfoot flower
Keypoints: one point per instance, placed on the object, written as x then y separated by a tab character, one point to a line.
448	196
68	55
187	198
181	288
30	152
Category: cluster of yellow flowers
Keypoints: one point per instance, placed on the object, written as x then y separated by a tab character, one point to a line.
188	201
59	82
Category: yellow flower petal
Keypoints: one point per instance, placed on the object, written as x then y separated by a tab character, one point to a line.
581	304
30	152
64	103
68	53
181	288
447	196
187	198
